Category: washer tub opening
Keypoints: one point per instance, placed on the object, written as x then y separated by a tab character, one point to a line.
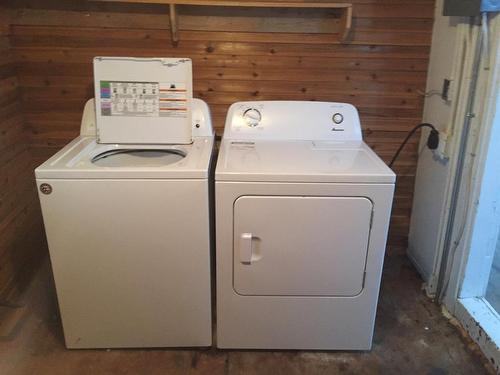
138	157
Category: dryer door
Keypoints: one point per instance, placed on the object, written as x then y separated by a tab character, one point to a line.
300	245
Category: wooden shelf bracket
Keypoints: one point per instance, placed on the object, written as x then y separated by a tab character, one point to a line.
346	20
174	29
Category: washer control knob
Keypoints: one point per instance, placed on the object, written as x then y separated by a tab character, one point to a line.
252	117
337	118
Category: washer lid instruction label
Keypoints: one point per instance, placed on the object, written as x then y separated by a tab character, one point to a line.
143	99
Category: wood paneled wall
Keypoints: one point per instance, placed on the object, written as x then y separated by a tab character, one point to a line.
381	71
21	239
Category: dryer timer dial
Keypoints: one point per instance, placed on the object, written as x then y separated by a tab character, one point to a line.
338	118
252	116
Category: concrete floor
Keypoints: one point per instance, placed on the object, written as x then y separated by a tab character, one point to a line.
411	337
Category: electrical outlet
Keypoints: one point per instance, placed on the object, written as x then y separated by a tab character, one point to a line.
446	92
441	152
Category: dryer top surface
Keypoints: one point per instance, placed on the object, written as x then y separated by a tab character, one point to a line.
301	161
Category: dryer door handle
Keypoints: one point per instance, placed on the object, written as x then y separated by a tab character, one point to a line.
246	248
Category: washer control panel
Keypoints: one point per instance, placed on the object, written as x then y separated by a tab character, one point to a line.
293	120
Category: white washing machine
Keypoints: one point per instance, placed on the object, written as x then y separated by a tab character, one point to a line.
302	213
128	228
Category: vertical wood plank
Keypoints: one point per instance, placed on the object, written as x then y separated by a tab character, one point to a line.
18	207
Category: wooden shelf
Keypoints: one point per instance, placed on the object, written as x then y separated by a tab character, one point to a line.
345	19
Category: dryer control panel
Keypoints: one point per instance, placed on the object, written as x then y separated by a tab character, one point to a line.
293	120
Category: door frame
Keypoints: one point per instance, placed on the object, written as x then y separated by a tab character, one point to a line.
473	254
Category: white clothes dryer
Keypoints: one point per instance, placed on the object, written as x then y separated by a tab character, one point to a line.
302	214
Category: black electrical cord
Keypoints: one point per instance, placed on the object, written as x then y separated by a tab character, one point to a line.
432	141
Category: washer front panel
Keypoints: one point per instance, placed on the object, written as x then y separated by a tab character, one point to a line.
131	261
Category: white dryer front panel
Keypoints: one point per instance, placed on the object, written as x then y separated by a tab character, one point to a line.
300	245
287	308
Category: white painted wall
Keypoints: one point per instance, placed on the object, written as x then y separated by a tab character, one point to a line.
475	228
432	173
452	56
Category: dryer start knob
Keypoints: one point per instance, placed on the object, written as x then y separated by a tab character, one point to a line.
252	117
337	118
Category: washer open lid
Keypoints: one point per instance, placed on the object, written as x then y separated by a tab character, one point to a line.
143	100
